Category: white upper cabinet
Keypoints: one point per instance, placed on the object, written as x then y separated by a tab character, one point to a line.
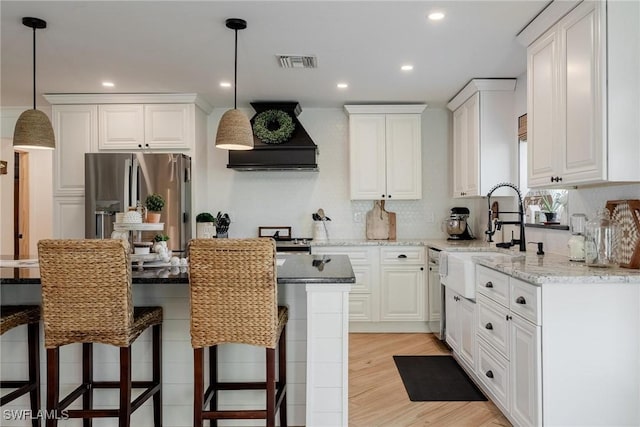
121	127
145	127
584	97
484	137
385	151
76	129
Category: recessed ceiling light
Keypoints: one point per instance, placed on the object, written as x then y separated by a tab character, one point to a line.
342	85
436	16
407	67
225	84
108	84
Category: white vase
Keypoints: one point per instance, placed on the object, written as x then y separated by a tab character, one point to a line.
205	230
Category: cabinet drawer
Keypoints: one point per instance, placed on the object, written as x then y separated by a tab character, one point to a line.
493	325
493	371
357	254
403	254
493	284
525	300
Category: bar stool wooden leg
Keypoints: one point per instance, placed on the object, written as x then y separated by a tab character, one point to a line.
53	365
157	374
124	419
33	337
271	387
198	386
87	380
282	376
213	380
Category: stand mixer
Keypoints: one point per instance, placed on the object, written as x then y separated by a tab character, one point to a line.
457	226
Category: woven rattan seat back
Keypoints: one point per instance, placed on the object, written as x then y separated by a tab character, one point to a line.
86	292
233	292
16	315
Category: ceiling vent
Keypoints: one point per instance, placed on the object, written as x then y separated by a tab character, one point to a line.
297	61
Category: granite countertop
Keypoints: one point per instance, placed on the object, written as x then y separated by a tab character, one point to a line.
299	268
551	268
527	266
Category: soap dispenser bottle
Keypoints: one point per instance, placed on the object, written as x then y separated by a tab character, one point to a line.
577	239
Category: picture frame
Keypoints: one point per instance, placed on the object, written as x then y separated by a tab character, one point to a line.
278	233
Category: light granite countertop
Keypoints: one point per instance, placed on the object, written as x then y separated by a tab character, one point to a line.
528	266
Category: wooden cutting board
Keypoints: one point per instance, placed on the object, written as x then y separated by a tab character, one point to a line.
626	214
381	225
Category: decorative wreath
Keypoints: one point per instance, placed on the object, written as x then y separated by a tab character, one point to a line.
273	126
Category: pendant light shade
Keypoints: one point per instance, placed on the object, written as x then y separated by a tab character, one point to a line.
33	128
234	129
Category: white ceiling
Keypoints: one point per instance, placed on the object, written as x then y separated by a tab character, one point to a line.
184	46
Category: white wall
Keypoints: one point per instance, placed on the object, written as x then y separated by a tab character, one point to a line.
253	199
40	190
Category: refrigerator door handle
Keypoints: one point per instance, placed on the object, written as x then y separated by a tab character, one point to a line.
127	187
134	183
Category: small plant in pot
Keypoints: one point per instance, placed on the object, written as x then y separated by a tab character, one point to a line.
160	243
154	204
205	226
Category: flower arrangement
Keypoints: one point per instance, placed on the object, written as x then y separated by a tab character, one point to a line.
273	126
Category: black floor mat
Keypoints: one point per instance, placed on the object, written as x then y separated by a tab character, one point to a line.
436	378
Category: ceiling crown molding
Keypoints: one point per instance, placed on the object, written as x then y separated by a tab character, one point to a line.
476	85
129	98
386	109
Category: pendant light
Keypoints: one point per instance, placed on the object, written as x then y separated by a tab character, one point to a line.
33	128
234	129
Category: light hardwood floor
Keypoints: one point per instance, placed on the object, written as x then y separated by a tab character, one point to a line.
377	396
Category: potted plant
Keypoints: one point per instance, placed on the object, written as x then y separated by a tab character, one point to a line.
160	243
551	204
154	204
205	226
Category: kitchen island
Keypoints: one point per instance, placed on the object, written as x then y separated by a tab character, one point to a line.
315	288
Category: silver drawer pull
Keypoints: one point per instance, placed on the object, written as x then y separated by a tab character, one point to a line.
489	374
521	300
488	285
489	326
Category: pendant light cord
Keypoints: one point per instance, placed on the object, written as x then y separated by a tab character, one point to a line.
235	73
34	67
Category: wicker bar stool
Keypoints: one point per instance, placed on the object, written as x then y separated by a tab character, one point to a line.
13	316
234	300
86	298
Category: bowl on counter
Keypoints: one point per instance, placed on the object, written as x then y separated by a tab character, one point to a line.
142	248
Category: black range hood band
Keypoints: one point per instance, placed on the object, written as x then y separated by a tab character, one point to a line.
296	154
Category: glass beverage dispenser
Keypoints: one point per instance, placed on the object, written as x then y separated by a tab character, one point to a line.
599	240
576	241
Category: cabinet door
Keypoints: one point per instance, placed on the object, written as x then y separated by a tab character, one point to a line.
542	115
76	131
68	218
467	322
580	103
403	156
402	293
168	126
121	127
466	148
435	293
460	123
526	373
472	147
367	162
451	315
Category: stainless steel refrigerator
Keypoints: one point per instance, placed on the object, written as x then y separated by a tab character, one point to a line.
116	181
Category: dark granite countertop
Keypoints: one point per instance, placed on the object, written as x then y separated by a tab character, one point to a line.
299	268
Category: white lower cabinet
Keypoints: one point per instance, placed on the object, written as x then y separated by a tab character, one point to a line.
390	293
509	351
460	326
